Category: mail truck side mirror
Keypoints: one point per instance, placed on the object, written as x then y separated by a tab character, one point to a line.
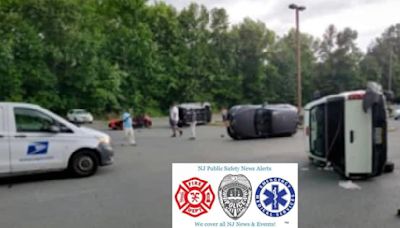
55	129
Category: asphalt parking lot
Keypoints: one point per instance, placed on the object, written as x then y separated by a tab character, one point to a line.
136	190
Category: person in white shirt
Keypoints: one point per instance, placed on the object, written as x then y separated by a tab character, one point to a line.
128	128
193	123
174	119
224	114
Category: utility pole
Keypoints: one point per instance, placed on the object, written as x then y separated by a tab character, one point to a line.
298	55
390	70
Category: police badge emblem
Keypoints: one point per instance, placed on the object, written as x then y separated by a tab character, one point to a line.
234	195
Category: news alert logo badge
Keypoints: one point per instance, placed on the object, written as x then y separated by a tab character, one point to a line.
275	197
234	195
194	197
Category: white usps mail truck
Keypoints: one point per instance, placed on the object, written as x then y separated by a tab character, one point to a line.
33	139
349	131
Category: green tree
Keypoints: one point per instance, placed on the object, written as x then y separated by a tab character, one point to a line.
131	48
383	58
105	55
195	75
340	57
225	81
165	27
282	70
252	40
24	71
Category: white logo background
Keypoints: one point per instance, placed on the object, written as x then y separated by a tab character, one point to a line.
214	173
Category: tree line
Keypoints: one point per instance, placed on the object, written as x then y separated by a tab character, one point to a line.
106	55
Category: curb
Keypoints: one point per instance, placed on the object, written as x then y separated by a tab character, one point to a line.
216	124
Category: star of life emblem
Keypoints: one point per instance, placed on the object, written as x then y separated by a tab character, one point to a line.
234	195
194	197
275	197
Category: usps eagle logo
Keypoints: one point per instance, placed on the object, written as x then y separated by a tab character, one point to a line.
194	197
234	195
38	148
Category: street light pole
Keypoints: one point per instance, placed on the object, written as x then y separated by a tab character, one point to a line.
298	54
390	70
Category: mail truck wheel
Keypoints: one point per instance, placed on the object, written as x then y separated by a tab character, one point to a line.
83	164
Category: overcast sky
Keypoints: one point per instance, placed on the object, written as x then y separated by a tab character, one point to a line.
369	17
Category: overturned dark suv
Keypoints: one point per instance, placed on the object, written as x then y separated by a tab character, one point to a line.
261	121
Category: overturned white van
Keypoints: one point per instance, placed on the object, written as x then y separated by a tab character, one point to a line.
349	131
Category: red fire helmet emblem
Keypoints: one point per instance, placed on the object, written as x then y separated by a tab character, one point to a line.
194	197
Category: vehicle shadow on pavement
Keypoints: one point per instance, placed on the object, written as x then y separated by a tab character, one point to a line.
15	180
136	128
256	139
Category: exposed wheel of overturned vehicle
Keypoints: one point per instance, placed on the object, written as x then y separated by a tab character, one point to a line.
317	163
83	163
232	134
388	167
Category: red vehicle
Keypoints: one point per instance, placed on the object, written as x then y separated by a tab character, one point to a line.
137	122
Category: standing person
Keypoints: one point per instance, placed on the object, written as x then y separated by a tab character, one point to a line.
224	114
174	119
193	123
128	128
